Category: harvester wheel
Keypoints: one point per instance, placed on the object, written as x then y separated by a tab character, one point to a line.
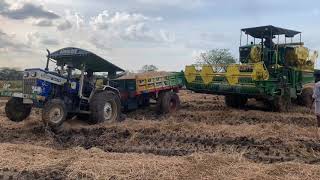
230	101
105	107
17	111
281	104
168	102
241	101
306	97
235	101
54	113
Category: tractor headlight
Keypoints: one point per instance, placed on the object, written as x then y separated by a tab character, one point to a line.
36	89
33	74
25	74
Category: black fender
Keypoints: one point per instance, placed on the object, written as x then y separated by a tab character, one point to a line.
108	88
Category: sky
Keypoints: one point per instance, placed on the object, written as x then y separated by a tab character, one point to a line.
131	33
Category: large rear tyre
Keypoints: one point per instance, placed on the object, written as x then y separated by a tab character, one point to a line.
54	114
168	102
306	97
17	111
105	107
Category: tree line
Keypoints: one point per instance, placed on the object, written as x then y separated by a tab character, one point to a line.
212	57
10	74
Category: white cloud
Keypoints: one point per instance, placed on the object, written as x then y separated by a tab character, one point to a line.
79	20
110	34
11	43
176	3
65	25
43	22
37	39
129	26
20	10
100	43
106	20
75	18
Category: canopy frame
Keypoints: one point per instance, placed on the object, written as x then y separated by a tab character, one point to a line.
77	58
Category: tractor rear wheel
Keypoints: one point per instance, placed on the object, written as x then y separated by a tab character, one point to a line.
306	97
168	102
54	114
105	107
17	111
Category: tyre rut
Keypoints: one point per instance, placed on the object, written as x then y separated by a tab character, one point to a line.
152	141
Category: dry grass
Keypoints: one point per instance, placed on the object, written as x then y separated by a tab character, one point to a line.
32	153
94	163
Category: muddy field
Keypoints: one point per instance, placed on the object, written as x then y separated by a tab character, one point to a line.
204	140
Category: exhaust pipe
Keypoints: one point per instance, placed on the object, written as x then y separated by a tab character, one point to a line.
48	59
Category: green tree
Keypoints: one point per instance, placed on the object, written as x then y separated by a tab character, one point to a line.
216	57
148	68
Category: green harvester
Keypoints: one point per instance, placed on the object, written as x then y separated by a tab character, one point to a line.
269	71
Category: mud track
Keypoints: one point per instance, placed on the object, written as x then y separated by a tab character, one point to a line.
154	141
179	144
203	125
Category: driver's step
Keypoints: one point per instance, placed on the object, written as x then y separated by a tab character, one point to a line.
84	105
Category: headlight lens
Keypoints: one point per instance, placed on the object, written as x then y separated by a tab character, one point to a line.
33	74
25	74
36	89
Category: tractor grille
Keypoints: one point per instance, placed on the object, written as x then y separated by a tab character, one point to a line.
27	85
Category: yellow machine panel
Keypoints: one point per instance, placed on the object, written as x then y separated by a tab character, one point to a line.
297	56
255	54
190	73
256	72
233	74
260	72
207	74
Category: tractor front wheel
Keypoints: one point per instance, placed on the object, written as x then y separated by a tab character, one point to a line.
54	114
105	107
17	111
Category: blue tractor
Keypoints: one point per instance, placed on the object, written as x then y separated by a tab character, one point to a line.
67	91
